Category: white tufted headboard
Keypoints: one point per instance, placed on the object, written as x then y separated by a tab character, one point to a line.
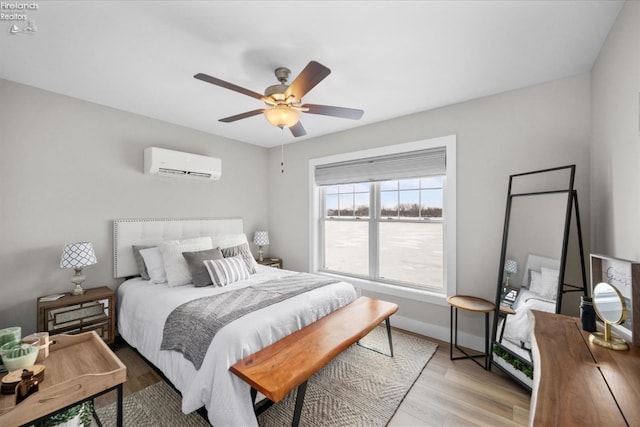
535	262
128	232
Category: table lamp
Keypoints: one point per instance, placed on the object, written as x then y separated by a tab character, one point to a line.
76	256
510	267
261	238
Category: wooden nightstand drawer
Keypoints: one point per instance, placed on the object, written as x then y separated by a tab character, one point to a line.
91	311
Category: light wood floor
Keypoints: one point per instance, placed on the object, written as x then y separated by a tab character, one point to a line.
461	393
447	393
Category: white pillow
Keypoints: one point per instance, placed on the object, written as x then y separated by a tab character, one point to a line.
175	265
545	283
535	282
549	282
227	270
153	261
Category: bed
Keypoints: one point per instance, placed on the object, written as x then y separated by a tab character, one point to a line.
536	292
144	306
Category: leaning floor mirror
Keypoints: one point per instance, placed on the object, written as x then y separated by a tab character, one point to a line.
542	222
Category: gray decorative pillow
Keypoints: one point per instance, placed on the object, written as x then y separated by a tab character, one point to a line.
142	267
195	262
243	251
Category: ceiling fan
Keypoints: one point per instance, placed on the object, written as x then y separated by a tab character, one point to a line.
284	102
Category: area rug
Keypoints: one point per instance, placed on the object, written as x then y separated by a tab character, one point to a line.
157	405
358	388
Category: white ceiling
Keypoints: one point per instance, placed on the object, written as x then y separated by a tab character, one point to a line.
389	58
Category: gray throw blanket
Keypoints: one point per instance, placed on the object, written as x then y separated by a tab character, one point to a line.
190	328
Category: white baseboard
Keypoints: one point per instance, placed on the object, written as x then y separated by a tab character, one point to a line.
473	342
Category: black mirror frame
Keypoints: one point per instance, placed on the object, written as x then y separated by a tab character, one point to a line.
572	206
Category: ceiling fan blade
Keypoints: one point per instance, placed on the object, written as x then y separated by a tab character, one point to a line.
227	85
298	130
312	74
327	110
242	116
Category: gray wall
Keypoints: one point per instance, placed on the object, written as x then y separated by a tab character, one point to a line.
528	129
615	141
69	167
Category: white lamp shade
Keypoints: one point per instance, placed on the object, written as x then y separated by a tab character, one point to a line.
511	266
261	238
282	116
78	255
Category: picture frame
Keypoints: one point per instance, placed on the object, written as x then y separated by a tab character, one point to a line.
624	275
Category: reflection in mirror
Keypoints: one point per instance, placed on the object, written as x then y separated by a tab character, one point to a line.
532	262
609	305
510	267
536	226
611	309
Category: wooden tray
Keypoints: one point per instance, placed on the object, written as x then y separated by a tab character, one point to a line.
78	367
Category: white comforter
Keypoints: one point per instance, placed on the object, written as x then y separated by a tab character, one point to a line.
518	327
143	308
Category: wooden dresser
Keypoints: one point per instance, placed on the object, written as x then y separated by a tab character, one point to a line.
578	383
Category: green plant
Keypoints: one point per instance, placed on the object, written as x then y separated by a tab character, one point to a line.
518	364
85	410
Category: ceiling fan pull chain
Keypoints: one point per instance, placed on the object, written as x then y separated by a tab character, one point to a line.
282	152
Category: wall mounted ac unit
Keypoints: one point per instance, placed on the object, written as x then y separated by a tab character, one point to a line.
160	161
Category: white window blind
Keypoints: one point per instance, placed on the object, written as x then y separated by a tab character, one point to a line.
412	164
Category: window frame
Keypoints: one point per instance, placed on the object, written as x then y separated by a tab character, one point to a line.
316	221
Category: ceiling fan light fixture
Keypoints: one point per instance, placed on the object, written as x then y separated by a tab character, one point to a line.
283	101
282	116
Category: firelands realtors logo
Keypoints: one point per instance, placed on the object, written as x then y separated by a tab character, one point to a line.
19	17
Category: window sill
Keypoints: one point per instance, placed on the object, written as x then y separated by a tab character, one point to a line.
398	291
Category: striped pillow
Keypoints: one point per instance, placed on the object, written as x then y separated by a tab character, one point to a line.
227	270
243	251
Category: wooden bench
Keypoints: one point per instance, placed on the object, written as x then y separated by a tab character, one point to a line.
286	364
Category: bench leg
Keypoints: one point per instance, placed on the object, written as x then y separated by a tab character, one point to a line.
302	389
261	406
389	335
388	323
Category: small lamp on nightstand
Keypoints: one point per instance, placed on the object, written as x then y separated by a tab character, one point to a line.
261	238
76	256
511	267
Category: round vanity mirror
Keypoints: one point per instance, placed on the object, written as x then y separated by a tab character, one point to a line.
611	309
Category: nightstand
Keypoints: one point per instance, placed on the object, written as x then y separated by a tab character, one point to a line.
271	262
71	314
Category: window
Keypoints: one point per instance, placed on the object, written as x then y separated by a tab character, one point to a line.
346	228
408	224
410	244
387	216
